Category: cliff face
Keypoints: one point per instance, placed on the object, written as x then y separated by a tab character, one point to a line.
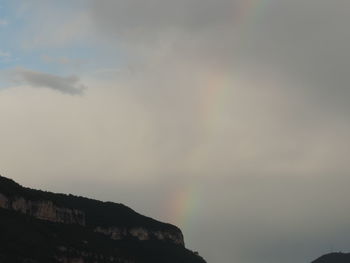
84	230
47	210
44	210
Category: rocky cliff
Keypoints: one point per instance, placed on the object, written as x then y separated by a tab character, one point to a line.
43	209
77	229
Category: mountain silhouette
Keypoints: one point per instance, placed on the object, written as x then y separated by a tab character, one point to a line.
43	227
334	258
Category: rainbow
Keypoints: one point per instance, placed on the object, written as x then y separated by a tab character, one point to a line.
217	88
183	206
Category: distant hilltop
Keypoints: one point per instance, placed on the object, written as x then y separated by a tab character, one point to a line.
38	227
334	258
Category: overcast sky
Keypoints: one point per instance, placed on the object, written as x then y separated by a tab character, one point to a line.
228	118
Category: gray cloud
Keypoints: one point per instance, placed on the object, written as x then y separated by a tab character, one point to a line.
67	85
157	16
278	143
308	41
200	30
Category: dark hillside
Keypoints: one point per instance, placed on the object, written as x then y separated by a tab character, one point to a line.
97	213
39	227
334	258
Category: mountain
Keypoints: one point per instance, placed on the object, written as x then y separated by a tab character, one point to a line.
42	227
334	258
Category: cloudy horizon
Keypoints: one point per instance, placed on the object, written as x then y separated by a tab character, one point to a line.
228	118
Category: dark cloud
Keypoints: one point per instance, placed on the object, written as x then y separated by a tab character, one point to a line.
156	16
67	85
307	40
201	30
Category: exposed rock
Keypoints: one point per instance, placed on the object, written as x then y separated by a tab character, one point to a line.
44	210
140	233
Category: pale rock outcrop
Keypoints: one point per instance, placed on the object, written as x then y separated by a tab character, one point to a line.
44	210
141	234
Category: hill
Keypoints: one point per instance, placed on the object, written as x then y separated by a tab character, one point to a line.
334	258
38	226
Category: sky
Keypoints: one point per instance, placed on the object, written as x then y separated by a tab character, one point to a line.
228	118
